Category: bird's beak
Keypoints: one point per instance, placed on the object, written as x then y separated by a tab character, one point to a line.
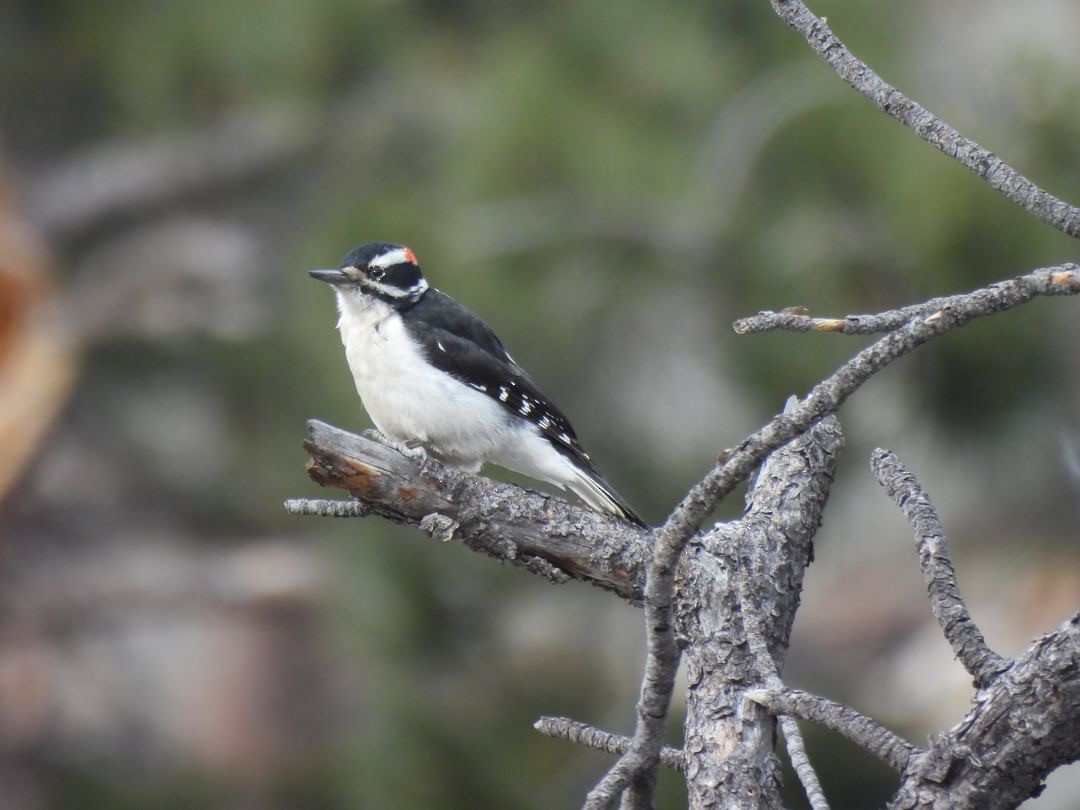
330	276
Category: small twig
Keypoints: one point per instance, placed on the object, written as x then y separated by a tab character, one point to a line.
800	762
591	737
868	734
946	603
1002	178
321	507
796	319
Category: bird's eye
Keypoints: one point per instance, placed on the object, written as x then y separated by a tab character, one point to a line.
376	273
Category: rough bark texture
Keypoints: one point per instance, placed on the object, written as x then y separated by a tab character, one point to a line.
729	740
1021	727
525	528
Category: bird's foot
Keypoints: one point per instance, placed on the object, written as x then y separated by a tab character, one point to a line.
413	449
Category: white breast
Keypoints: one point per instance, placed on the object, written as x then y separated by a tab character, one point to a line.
410	400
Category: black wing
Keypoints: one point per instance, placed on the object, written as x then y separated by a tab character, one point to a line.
459	343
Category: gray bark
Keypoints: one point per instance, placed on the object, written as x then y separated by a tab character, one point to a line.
1020	728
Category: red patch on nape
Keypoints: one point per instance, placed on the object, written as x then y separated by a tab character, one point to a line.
410	256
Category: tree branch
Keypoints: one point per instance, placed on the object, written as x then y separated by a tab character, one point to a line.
800	762
1002	178
591	737
320	507
945	601
824	398
797	319
866	733
730	748
540	533
768	671
1021	727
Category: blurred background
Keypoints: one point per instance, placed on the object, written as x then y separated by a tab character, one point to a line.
609	185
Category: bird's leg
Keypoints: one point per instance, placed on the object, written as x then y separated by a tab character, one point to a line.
413	449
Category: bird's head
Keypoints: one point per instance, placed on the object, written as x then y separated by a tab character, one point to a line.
381	270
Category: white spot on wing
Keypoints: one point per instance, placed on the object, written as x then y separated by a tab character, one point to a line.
478	386
503	394
439	344
545	423
526	408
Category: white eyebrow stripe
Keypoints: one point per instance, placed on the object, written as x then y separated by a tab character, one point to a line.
397	256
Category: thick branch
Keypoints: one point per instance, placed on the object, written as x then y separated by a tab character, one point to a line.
767	670
591	737
730	746
1021	727
798	320
866	733
784	509
1002	178
946	603
504	521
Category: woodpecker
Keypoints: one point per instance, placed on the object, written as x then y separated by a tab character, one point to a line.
435	378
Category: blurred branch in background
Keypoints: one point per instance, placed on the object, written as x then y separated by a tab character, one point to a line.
37	360
120	182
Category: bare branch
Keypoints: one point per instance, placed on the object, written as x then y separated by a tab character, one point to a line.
824	398
866	733
326	508
638	763
827	396
540	533
800	762
797	319
945	601
1002	178
1020	728
591	737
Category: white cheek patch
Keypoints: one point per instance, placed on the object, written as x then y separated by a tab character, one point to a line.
417	289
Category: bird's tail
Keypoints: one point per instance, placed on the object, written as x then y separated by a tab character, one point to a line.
591	487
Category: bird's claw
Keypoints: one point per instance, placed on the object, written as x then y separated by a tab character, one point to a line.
413	449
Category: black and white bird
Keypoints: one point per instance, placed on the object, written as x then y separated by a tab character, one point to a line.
432	375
